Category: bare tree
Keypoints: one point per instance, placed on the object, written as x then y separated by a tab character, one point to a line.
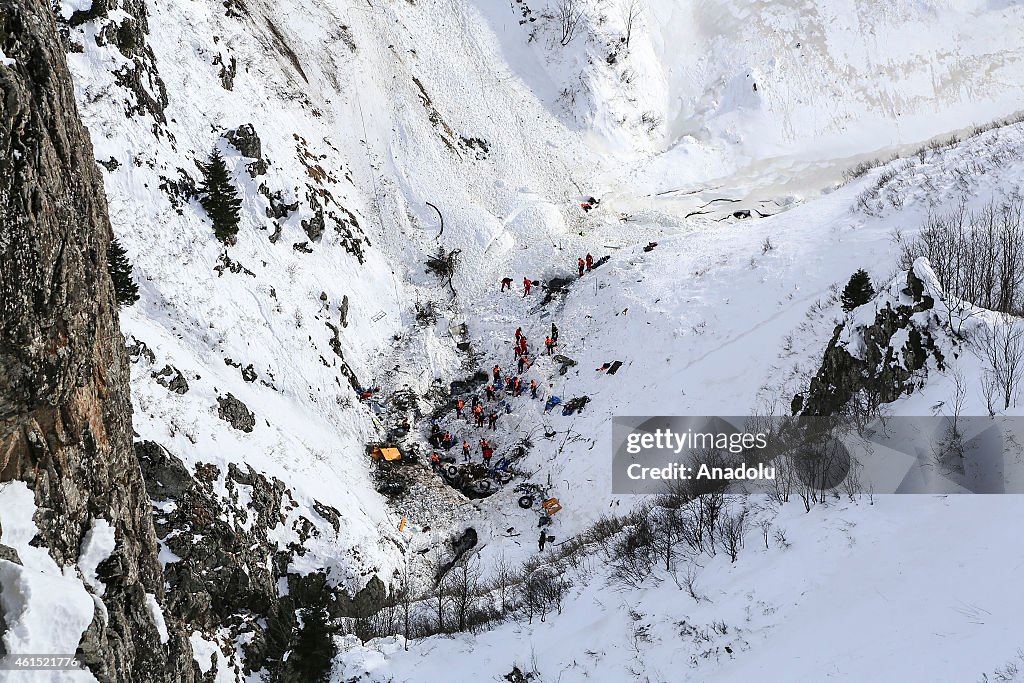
633	10
766	525
977	257
503	578
463	588
568	13
689	583
1002	348
732	527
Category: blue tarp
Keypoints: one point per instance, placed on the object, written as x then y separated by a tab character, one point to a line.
551	403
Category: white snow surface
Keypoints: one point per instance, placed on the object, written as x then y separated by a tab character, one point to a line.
157	615
366	105
46	607
97	545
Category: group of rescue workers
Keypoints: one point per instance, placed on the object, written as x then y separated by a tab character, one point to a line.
507	386
496	390
528	284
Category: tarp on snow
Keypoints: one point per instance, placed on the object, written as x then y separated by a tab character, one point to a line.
389	454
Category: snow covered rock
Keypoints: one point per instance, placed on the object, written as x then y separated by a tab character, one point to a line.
883	349
235	413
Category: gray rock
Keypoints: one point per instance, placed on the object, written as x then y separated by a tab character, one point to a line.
171	378
344	311
10	554
314	227
235	413
246	141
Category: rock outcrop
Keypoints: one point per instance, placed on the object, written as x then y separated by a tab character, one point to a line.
230	574
882	351
65	415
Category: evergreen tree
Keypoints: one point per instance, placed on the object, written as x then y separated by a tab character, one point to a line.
313	648
219	197
859	290
125	290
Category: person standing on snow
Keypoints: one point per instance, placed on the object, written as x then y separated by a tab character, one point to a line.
492	420
526	286
549	344
542	540
533	388
465	451
497	373
554	333
522	364
506	283
582	264
459	405
489	390
519	333
590	262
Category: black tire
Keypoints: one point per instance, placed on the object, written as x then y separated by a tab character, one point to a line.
451	471
482	486
526	502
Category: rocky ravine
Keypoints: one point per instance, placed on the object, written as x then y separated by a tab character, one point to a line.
65	415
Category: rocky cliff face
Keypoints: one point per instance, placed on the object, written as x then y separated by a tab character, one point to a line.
65	417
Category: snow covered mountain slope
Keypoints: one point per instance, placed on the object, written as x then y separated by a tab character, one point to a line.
695	91
853	590
362	113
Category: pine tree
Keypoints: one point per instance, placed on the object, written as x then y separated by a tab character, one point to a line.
220	198
859	290
125	290
313	648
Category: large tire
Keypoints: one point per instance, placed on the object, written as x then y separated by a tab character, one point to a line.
482	486
526	502
451	471
505	477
